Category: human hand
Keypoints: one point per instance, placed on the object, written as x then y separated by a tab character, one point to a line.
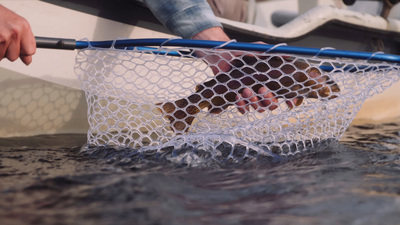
269	77
257	81
234	65
16	37
248	79
221	63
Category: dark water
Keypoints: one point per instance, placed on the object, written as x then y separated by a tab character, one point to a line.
45	180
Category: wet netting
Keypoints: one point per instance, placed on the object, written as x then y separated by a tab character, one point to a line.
221	103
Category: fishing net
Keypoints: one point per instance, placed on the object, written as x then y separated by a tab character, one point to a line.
223	104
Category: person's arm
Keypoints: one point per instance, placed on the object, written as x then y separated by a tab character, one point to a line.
195	19
184	18
213	34
16	37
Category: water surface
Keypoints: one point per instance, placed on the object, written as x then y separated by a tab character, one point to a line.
46	180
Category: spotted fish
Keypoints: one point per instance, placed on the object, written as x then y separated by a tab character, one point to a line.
284	77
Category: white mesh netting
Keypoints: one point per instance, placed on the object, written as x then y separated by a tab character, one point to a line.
260	104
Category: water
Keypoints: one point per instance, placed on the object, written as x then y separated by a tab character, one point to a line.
45	180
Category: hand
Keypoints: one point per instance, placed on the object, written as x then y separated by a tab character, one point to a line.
258	80
16	37
244	79
269	101
224	59
234	74
248	80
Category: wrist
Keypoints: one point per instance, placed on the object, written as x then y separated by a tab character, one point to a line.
213	34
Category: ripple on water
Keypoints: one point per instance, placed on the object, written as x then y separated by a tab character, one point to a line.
354	181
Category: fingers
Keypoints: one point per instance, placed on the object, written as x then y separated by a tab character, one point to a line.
28	46
16	37
241	104
4	43
261	101
26	59
252	98
13	50
268	99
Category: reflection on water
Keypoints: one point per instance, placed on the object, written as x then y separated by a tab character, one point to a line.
45	180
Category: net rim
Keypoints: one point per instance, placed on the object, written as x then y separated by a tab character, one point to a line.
241	46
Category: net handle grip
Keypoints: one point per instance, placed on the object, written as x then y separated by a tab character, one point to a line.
55	43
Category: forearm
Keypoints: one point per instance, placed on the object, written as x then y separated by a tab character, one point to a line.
193	19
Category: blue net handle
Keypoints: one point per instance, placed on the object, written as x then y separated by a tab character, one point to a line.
57	43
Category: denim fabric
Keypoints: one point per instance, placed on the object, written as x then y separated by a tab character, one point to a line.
184	18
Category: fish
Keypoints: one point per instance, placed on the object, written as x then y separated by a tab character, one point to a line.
285	77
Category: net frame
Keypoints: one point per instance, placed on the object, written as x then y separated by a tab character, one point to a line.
114	93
